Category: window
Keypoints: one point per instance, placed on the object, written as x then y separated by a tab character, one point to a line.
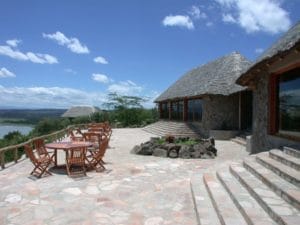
177	110
286	104
164	110
289	102
194	110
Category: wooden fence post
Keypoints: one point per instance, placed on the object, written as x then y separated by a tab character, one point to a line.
2	160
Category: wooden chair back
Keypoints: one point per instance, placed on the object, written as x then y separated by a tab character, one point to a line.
97	158
39	145
40	164
76	158
30	154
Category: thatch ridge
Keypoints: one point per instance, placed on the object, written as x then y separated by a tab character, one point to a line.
217	78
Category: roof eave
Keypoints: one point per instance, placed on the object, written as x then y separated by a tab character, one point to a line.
245	78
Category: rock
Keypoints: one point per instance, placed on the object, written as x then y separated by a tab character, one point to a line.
136	149
212	149
154	139
212	141
196	154
144	149
173	153
184	152
160	152
204	148
205	156
199	148
169	146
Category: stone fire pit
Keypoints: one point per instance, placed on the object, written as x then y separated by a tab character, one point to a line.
172	147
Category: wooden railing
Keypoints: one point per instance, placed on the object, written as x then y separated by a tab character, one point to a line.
58	135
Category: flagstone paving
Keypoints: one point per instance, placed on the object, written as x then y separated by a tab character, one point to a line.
134	190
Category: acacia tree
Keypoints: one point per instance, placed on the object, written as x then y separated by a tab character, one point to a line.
119	102
128	110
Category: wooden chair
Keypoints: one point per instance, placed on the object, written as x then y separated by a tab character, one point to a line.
75	160
95	161
40	163
73	137
40	148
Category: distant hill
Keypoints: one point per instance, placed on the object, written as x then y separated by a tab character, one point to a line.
31	116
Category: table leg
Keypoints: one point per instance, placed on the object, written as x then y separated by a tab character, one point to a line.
55	157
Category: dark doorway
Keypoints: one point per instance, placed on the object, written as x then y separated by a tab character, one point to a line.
246	110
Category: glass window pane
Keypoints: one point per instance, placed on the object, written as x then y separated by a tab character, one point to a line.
195	110
289	102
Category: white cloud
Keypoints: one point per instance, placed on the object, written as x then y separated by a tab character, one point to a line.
209	24
257	15
69	70
6	73
29	56
259	50
100	60
13	42
178	20
56	97
228	18
102	78
72	43
125	88
196	13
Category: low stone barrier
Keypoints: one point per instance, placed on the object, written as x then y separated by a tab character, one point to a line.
172	147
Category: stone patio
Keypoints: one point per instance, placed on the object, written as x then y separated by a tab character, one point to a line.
134	190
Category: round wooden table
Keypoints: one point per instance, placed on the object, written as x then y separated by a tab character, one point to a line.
66	146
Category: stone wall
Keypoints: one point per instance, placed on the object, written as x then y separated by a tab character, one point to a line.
219	112
261	140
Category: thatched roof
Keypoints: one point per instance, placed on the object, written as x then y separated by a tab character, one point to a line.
214	78
290	40
77	111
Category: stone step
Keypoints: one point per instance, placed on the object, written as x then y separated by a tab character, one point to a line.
204	209
239	140
286	172
177	133
173	128
285	158
227	212
292	152
278	209
283	188
249	208
163	132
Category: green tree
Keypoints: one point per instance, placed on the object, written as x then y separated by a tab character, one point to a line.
129	111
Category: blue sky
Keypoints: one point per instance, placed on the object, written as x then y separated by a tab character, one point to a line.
56	54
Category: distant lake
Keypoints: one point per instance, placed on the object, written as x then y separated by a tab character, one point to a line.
6	128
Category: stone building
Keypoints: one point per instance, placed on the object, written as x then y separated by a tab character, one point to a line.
275	81
209	98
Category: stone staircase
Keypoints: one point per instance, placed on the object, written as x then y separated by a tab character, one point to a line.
178	129
262	189
241	138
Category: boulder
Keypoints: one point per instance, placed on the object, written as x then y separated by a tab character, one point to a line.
212	149
160	152
173	153
199	148
170	146
145	149
136	149
196	154
185	152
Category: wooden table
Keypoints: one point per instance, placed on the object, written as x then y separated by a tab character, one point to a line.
66	146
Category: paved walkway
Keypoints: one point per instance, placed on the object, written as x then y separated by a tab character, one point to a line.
135	190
